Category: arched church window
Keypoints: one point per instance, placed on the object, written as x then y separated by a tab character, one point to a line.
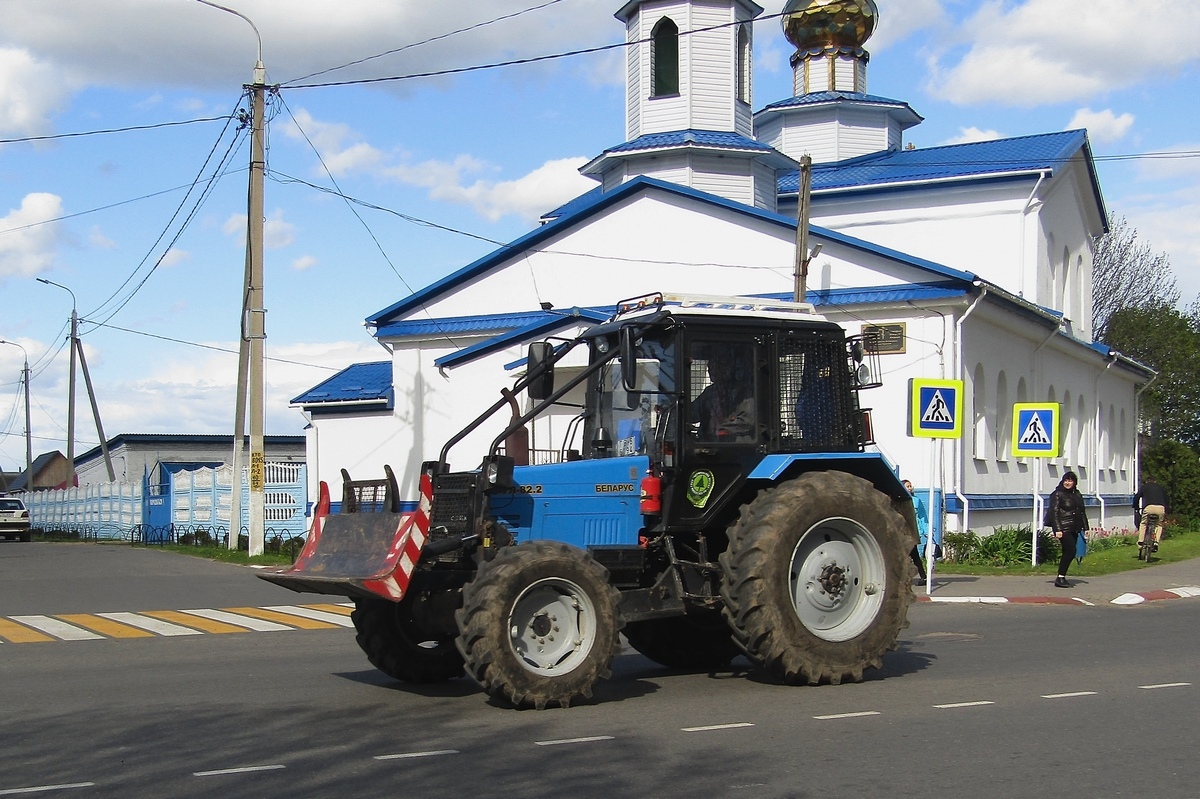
979	414
1003	418
743	63
664	58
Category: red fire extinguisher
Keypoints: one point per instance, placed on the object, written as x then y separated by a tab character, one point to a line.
651	501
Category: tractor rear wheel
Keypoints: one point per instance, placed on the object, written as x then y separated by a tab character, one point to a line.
814	584
691	642
539	624
398	646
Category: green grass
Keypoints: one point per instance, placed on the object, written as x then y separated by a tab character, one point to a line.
1182	545
238	556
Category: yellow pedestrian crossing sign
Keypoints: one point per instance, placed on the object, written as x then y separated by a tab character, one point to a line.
935	408
1035	430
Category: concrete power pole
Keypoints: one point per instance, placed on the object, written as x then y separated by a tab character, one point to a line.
800	292
28	429
253	322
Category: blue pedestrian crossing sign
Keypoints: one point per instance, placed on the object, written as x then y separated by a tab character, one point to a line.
935	408
1035	430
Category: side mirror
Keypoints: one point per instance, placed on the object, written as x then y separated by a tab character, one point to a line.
540	365
629	366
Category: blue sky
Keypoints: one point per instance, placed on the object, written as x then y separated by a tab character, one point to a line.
458	162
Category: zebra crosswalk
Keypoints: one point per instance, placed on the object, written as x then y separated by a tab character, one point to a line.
32	629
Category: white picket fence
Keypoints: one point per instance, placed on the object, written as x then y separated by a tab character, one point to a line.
202	500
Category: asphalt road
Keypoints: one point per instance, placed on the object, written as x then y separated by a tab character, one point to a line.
985	701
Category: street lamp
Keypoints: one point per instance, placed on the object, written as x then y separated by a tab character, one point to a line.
253	323
28	435
77	351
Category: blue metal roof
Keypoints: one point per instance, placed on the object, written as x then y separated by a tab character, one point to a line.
450	325
367	383
820	98
699	138
999	158
878	295
549	322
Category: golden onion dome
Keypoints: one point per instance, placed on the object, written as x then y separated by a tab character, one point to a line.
817	24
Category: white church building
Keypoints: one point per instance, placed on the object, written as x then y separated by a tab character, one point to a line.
972	262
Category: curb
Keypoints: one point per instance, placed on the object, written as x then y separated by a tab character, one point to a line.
1124	599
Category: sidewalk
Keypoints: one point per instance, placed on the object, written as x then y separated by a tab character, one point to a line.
1168	581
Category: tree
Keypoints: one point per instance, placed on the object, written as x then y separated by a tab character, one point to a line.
1177	469
1126	273
1167	341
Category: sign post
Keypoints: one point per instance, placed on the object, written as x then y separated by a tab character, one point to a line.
934	412
1035	434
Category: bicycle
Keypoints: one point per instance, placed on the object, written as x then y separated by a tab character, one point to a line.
1149	533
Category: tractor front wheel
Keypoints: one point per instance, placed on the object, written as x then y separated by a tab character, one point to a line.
396	644
539	624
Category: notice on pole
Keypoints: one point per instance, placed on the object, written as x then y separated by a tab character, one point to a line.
258	468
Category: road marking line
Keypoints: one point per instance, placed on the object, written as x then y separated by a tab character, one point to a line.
848	715
106	626
58	628
241	621
406	755
186	619
964	704
340	609
20	634
711	727
41	788
151	625
309	613
283	618
1166	685
1187	590
589	739
985	600
241	770
1068	695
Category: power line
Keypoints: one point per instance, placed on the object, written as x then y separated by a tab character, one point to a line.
423	41
127	129
520	61
203	346
216	174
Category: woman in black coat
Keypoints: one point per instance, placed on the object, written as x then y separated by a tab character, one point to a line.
1067	517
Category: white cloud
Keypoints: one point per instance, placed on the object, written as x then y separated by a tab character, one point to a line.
973	134
330	140
1048	51
304	263
28	242
528	197
1103	127
99	241
120	42
174	257
1169	222
31	91
277	232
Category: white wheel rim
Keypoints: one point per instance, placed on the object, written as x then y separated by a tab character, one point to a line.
837	579
552	626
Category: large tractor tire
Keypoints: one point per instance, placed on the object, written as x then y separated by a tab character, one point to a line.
688	643
396	645
539	624
814	584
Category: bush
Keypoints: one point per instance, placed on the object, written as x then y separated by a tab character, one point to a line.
1006	546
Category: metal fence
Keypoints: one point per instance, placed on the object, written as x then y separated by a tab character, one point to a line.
200	507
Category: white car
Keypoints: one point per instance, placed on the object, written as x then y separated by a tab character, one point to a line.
14	519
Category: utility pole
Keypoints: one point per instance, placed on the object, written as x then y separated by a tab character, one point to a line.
800	292
28	434
253	322
77	353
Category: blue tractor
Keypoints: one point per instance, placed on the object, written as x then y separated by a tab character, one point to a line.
723	504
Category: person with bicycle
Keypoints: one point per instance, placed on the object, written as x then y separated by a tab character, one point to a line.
1067	517
1150	502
